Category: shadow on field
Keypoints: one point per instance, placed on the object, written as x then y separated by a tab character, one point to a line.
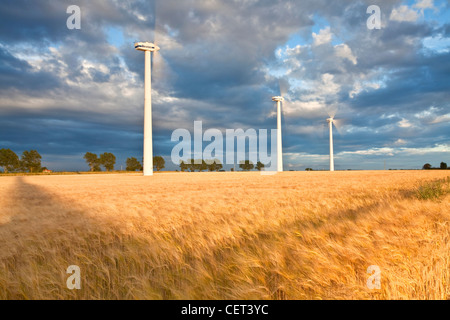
45	234
30	203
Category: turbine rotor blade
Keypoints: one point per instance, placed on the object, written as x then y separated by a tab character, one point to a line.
159	66
283	85
338	124
155	24
285	105
331	111
323	132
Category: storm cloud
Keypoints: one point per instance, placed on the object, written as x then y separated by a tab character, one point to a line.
65	92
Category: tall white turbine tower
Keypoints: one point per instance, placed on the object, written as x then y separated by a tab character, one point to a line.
278	100
147	47
330	124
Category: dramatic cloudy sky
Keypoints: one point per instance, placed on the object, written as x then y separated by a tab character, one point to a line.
65	92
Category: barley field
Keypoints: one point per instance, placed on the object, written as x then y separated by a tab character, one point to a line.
293	235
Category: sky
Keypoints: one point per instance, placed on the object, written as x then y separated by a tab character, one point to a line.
65	92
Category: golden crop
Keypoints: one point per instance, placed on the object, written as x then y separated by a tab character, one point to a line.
294	235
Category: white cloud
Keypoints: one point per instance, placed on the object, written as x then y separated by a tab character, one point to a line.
373	151
344	51
293	51
424	4
328	86
431	116
304	156
314	103
400	142
306	109
323	37
404	13
440	148
407	14
404	123
399	154
358	87
427	114
443	118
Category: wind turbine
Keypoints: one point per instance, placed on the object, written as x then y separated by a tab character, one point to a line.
330	125
284	88
278	100
336	123
148	48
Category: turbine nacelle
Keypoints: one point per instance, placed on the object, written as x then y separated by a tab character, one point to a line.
278	99
146	46
330	120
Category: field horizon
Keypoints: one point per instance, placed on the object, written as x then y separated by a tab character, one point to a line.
240	235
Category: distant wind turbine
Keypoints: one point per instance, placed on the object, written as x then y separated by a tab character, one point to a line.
336	123
330	124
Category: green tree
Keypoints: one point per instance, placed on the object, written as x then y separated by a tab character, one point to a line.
194	165
246	165
443	165
259	166
158	163
210	165
427	166
190	165
108	160
213	165
309	169
9	160
31	161
201	166
183	166
133	164
93	161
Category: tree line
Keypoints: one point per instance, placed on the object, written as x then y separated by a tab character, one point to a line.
29	161
247	165
108	161
133	164
200	165
192	165
427	166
